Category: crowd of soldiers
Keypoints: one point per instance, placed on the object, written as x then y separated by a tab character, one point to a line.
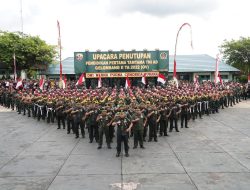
141	113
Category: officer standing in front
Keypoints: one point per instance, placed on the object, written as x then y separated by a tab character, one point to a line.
138	123
122	124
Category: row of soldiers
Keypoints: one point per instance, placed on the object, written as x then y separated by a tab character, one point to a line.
133	112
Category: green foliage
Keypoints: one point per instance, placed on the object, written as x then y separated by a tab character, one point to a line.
237	53
31	52
243	78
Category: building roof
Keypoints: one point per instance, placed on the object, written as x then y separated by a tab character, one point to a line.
67	65
185	63
198	63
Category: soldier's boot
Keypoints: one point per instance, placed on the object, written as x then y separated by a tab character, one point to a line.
126	154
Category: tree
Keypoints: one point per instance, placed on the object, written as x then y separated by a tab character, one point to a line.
31	52
237	53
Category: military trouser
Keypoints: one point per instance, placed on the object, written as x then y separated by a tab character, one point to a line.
12	104
199	109
145	131
60	119
28	108
44	113
104	131
173	120
120	138
34	110
70	125
18	106
24	107
192	113
77	124
7	102
152	130
163	127
138	137
93	133
111	133
244	95
39	112
50	115
184	119
222	103
207	109
231	101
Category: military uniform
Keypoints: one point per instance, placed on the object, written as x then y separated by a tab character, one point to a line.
152	122
104	122
91	123
60	115
175	110
122	134
184	114
138	120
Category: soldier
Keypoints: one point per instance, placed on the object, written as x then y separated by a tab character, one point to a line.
91	123
175	111
153	119
59	113
69	118
40	108
50	108
104	121
76	116
164	115
184	113
138	123
122	125
29	103
145	112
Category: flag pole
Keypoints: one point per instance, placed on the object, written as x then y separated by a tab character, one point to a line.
15	75
60	48
216	69
176	41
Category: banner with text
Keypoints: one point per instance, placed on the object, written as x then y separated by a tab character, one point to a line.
121	63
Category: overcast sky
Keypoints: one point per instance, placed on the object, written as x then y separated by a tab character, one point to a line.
130	24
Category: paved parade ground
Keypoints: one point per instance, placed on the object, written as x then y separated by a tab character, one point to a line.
213	154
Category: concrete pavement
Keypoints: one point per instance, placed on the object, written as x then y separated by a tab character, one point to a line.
214	153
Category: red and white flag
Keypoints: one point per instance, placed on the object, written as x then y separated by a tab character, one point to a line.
41	83
99	81
143	79
221	81
19	83
64	81
81	80
161	78
196	82
249	78
128	83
